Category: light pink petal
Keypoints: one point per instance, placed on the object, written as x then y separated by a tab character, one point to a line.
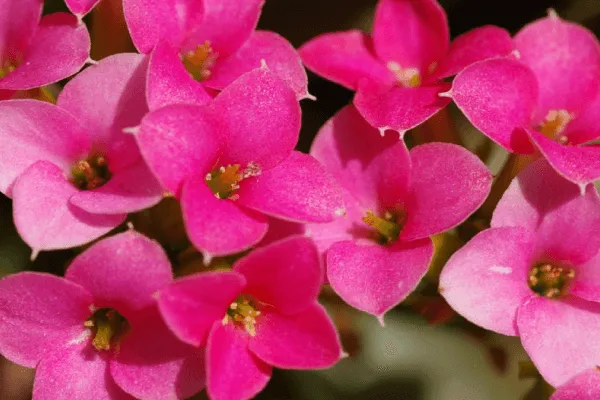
44	217
259	119
19	21
478	44
486	280
584	128
399	108
122	272
448	184
169	82
34	130
81	7
39	313
218	226
390	171
192	304
560	336
281	229
77	373
177	141
150	21
153	364
412	33
587	282
376	278
498	110
305	340
345	58
299	189
584	386
565	58
286	275
59	48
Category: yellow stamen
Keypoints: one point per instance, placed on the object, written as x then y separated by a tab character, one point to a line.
388	227
555	124
407	77
224	181
108	328
549	280
243	313
90	173
199	62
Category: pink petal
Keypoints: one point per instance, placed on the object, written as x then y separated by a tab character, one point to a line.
448	184
60	47
61	225
412	33
345	58
122	272
153	364
390	171
233	372
192	304
281	229
478	44
129	190
286	275
39	313
306	340
376	278
177	141
259	119
499	111
486	280
584	386
299	189
169	82
399	108
218	226
560	336
587	282
19	21
583	128
565	58
81	7
34	130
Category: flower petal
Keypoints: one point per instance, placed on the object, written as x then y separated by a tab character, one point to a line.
60	47
583	128
345	58
448	184
40	314
587	282
43	187
499	111
376	278
486	280
306	340
19	21
81	7
281	229
584	386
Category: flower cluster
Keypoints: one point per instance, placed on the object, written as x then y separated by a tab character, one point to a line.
207	113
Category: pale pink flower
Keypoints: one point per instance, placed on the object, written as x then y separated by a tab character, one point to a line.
585	386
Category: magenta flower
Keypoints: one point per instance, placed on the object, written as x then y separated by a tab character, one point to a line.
395	200
550	97
264	313
231	163
73	175
398	71
535	272
585	386
97	333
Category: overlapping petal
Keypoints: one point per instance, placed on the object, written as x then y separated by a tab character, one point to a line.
81	7
19	20
584	386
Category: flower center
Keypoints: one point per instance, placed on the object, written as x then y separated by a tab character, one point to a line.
90	173
549	280
243	313
555	124
407	77
199	62
388	227
224	181
8	67
108	328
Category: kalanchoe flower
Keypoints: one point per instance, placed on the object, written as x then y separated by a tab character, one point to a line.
97	333
232	162
550	97
398	71
71	171
394	200
585	386
264	313
535	272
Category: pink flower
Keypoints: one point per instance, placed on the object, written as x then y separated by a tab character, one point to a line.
71	171
395	200
36	51
549	97
398	71
535	272
264	313
97	333
231	163
585	386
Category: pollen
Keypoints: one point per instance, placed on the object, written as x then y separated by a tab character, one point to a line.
406	77
388	227
90	173
243	314
225	180
555	124
199	62
108	328
550	280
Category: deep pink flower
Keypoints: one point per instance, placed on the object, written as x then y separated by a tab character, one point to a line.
550	97
71	171
394	200
264	313
97	333
535	272
585	386
232	162
398	71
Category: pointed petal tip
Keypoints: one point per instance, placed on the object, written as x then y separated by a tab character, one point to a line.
34	254
132	130
207	258
515	54
90	61
130	226
447	94
380	320
552	14
308	96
